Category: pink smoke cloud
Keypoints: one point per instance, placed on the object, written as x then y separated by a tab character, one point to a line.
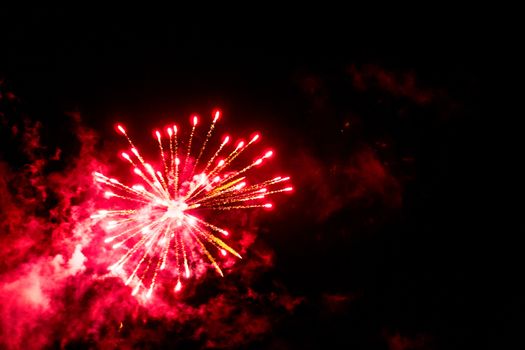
53	277
400	85
361	178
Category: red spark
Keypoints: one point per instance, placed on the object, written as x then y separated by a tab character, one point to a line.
121	129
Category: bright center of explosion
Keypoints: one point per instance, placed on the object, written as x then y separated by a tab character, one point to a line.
175	210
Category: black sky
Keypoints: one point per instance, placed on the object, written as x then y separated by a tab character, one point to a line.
408	263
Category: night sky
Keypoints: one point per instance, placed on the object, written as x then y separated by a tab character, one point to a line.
382	245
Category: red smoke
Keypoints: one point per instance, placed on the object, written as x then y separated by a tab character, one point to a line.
399	85
362	178
53	282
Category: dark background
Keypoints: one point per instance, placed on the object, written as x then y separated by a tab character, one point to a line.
423	268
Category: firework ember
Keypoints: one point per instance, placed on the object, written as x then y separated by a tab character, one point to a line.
158	226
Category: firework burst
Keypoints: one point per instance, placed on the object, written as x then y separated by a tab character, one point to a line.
158	226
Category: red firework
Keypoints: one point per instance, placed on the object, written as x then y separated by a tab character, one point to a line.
157	226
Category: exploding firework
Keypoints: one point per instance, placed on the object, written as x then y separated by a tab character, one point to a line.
158	226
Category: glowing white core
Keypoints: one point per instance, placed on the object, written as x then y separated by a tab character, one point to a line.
175	210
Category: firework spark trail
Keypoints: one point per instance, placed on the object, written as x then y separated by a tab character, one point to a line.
159	230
